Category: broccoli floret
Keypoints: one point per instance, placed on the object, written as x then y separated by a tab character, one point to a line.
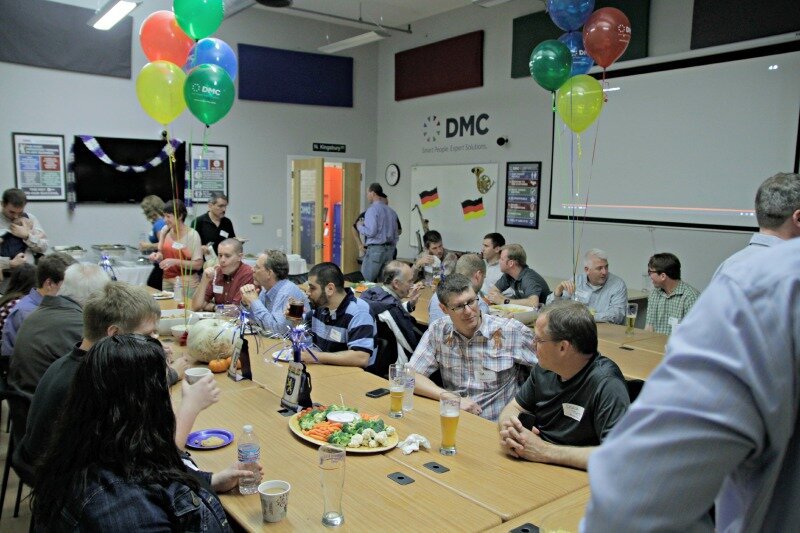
339	438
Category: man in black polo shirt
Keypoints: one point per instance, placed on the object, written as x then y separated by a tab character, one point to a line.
528	286
574	396
214	227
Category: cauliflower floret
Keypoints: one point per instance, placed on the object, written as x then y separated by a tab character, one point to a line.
355	441
372	443
368	433
389	430
381	438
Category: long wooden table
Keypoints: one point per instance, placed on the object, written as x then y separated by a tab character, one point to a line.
563	514
371	500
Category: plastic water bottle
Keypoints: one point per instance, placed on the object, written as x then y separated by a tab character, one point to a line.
249	455
178	290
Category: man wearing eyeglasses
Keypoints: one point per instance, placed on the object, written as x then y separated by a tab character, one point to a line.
479	355
672	298
472	266
572	398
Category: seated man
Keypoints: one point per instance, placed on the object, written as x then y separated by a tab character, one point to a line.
435	259
529	287
671	299
49	276
481	354
397	286
597	288
474	268
575	395
341	325
267	307
118	309
490	250
55	327
221	284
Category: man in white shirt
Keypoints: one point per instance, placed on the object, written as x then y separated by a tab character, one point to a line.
490	250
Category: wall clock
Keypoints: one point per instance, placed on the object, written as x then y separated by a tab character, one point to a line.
392	174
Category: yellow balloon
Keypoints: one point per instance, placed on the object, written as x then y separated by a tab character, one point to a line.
579	102
159	88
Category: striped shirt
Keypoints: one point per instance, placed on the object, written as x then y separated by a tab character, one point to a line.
486	367
350	327
665	311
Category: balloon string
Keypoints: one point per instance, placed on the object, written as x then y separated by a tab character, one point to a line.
589	180
554	101
175	197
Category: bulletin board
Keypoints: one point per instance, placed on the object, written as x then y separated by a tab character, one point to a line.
459	201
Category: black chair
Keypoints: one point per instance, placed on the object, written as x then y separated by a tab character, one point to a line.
19	404
5	363
634	388
354	277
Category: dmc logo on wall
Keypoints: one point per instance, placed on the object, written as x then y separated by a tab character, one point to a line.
465	125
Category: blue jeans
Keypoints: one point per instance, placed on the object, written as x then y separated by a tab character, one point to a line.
377	255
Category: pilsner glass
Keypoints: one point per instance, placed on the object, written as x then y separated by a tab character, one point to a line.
630	317
331	464
449	410
397	388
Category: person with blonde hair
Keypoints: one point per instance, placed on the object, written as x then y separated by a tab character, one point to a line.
153	209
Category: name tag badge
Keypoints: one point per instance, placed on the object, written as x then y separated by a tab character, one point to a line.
673	321
177	246
485	376
223	233
336	335
573	411
582	296
218	289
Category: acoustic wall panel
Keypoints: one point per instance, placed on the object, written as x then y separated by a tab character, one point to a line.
291	77
717	22
444	66
53	35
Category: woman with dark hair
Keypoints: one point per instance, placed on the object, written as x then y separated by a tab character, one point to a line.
22	280
180	251
112	464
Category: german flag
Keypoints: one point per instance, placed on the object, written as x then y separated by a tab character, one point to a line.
473	209
429	198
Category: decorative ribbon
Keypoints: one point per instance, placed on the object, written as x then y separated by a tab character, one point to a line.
94	146
298	336
105	263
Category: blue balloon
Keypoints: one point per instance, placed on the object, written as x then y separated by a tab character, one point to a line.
569	15
581	61
212	51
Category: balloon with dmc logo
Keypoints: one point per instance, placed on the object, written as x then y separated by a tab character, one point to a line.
159	87
209	93
211	51
581	62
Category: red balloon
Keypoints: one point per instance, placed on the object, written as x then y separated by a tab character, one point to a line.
163	40
606	35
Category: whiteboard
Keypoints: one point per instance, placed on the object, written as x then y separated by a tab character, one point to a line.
459	201
686	147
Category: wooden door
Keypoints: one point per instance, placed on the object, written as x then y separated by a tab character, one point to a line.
307	199
351	207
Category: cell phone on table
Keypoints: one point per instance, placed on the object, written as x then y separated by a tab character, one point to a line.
377	393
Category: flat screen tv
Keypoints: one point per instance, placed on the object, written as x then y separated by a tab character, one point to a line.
98	182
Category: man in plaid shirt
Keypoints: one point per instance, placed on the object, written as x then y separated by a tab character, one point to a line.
479	355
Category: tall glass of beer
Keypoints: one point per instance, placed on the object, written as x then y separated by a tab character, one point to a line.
449	410
630	317
397	388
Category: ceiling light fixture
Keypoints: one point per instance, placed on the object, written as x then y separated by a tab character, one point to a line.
352	42
107	16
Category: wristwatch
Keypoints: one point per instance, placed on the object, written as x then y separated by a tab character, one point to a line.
506	301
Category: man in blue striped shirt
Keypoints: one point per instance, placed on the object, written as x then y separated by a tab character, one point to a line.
342	327
267	308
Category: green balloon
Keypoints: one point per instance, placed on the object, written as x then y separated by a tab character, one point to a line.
199	18
550	64
209	93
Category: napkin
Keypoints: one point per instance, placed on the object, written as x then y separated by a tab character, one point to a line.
412	443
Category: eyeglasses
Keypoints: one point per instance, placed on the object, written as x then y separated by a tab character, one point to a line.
472	304
537	340
653	272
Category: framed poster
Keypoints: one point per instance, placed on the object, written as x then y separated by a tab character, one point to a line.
523	182
39	166
209	171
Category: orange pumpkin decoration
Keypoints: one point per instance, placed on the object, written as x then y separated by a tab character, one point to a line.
219	365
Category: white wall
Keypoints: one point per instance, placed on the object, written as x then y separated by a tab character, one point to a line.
259	134
521	110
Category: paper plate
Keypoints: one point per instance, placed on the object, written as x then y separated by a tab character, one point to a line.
164	295
196	438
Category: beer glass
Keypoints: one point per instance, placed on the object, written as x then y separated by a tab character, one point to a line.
331	464
397	388
630	317
449	410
